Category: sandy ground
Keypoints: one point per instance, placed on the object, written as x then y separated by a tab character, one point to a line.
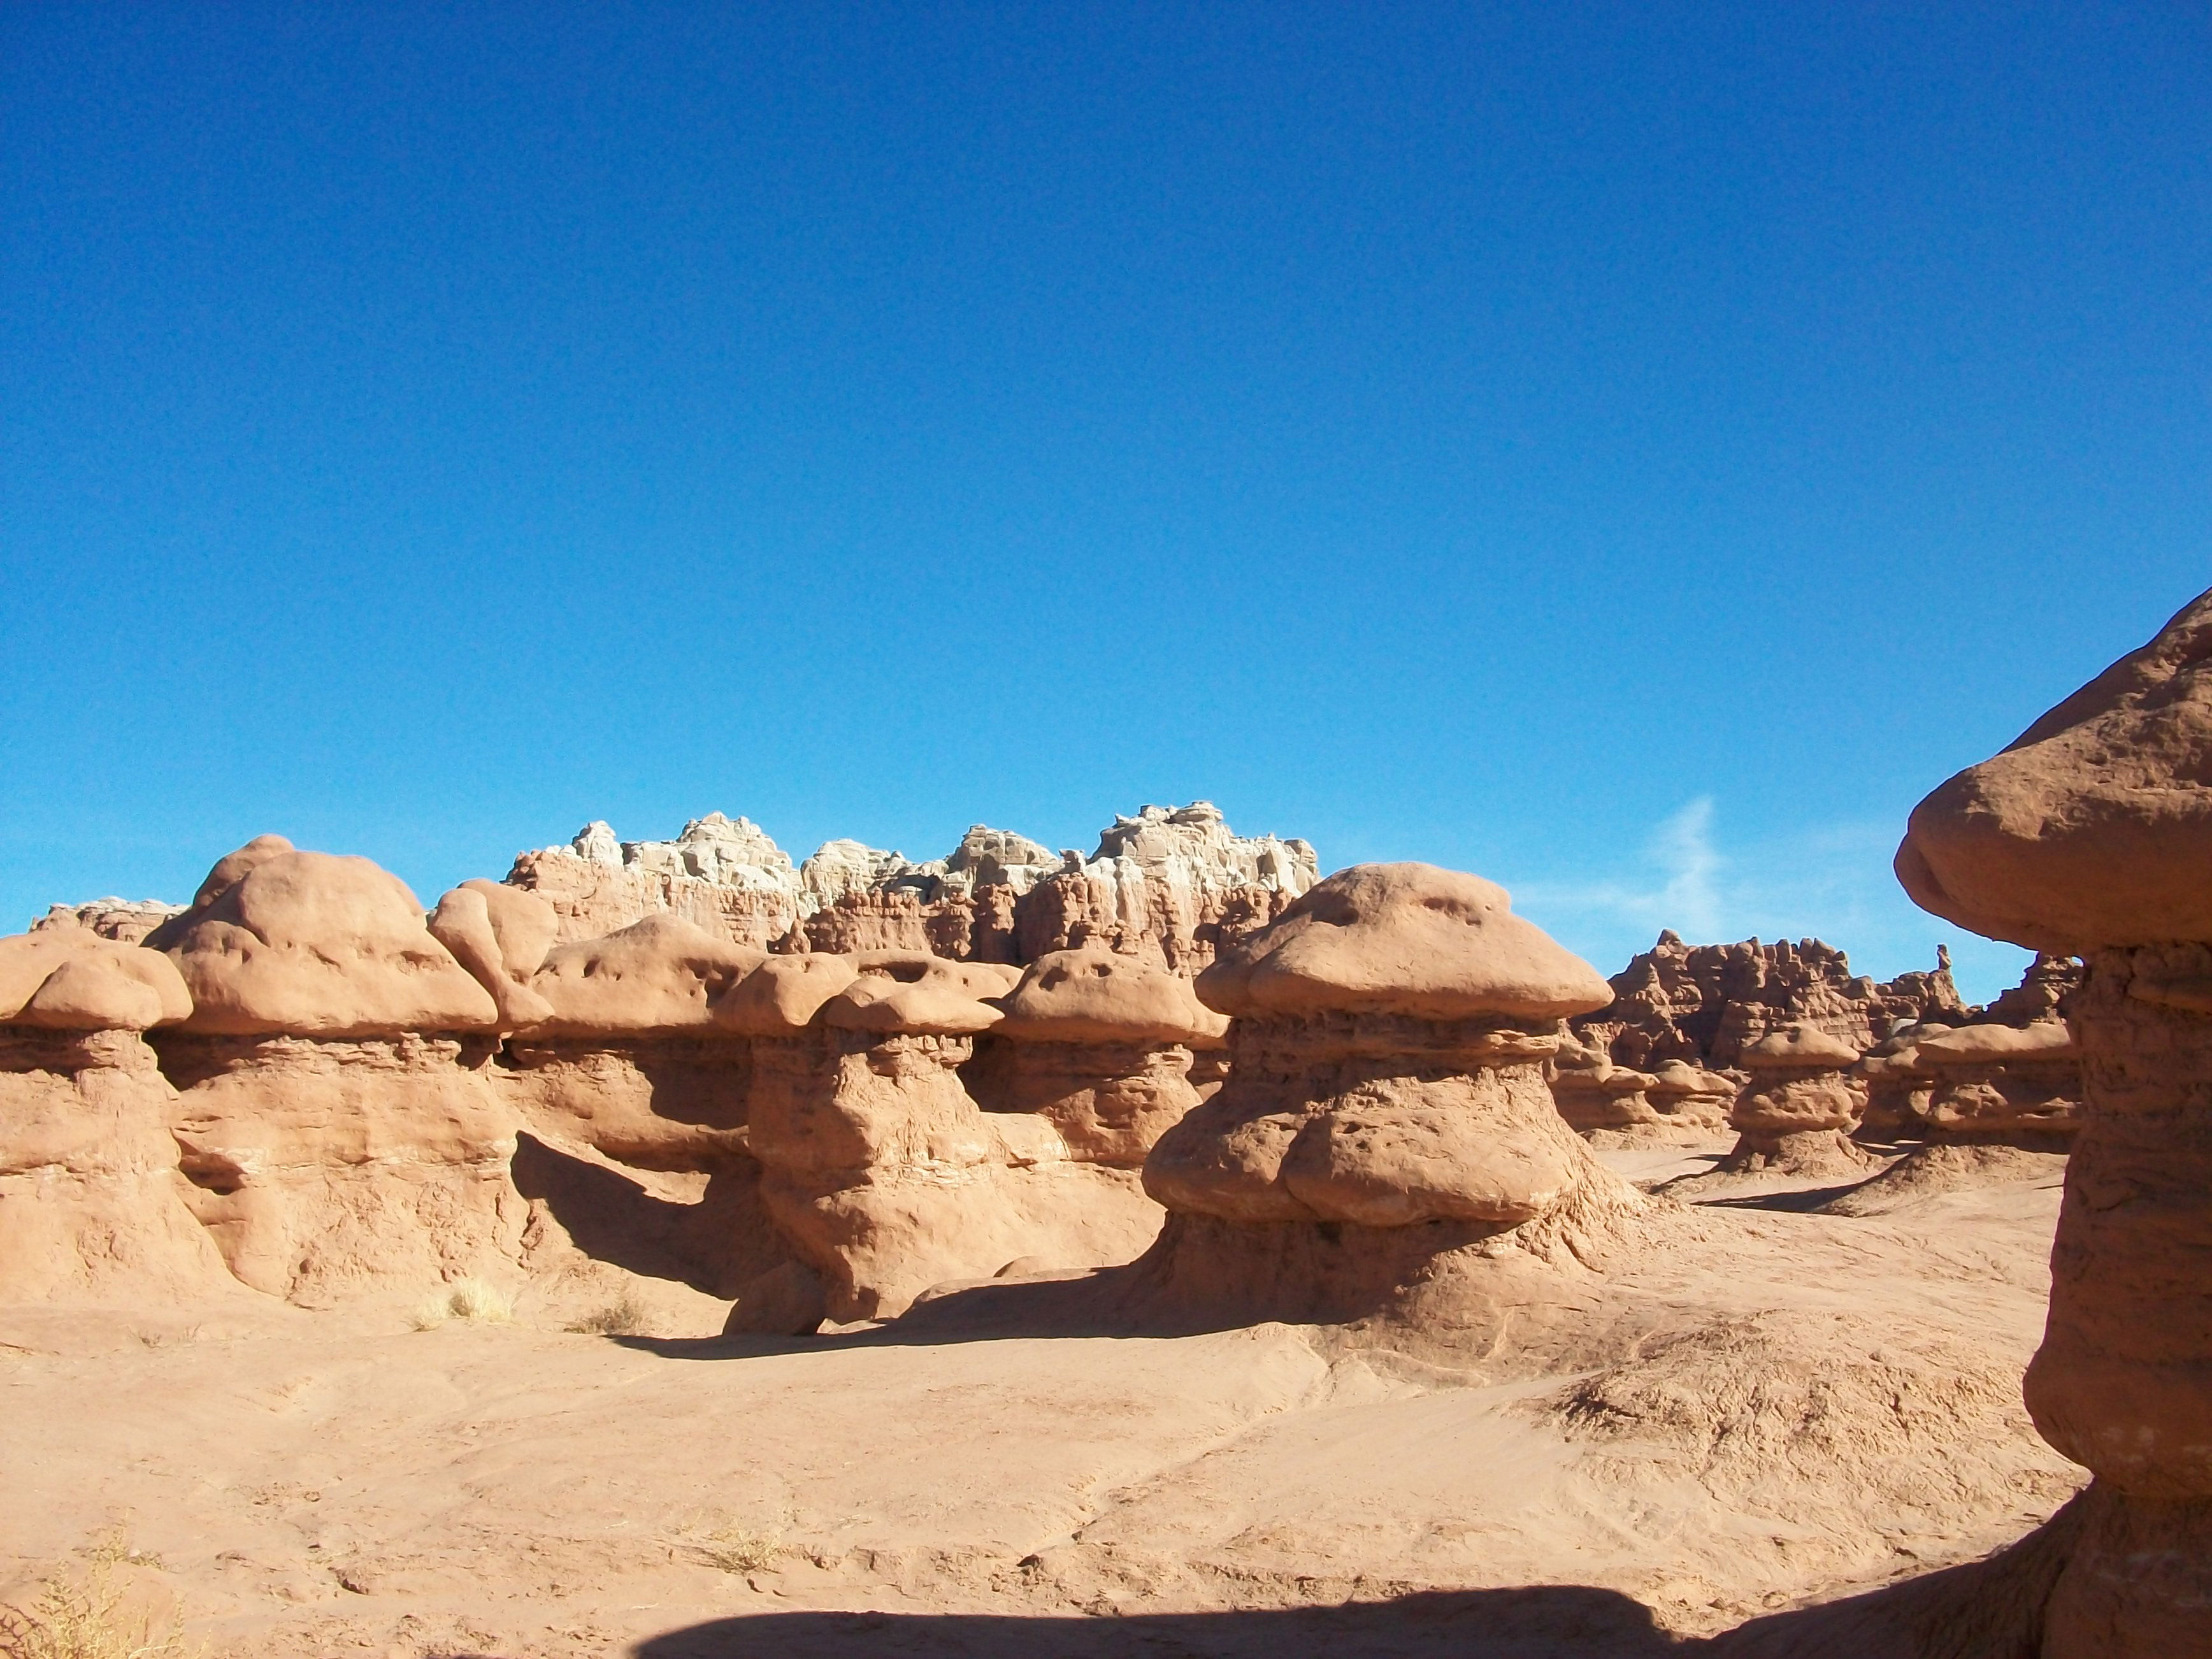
1837	1406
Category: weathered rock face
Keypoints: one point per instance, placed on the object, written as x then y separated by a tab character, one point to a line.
1593	1094
1899	1083
1387	1125
127	921
1099	1046
726	877
2092	836
1989	1082
336	1119
91	1198
1170	884
879	1166
1703	1004
626	1058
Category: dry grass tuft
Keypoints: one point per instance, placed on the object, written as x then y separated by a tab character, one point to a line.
470	1299
731	1548
86	1618
624	1317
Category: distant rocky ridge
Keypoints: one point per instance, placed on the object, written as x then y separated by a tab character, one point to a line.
1171	882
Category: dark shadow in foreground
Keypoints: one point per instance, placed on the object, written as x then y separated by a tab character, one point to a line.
1506	1624
1988	1609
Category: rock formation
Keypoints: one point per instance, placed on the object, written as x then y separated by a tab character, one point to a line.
2092	837
1596	1096
1795	1114
1703	1004
91	1199
635	1100
879	1166
1386	1147
336	1120
127	921
1100	1046
1170	884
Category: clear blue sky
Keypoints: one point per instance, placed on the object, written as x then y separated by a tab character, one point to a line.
1630	452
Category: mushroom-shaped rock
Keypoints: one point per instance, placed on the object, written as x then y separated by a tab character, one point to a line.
1794	1116
629	1058
335	1117
2018	1084
1389	1048
1100	1045
1595	1096
878	1164
1690	1095
2092	836
1898	1084
92	1199
315	944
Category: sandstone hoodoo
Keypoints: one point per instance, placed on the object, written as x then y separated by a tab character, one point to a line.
635	1100
1386	1146
628	1057
1596	1096
878	1165
1100	1046
91	1198
2092	836
336	1120
1796	1112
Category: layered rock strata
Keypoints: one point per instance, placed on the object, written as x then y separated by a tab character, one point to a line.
1386	1147
92	1200
878	1166
2092	837
1170	884
336	1119
1100	1046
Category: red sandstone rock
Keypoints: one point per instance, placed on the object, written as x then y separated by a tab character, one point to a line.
2093	835
311	944
1389	1039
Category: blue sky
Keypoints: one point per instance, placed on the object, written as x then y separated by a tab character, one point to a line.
1633	453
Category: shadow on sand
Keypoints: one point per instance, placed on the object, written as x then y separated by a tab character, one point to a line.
1987	1609
1506	1624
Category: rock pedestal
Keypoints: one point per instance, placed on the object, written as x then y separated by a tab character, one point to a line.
1386	1146
2092	837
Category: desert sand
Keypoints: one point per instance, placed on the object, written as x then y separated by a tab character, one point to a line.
1833	1405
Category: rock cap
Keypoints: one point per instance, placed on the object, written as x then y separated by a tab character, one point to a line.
1799	1047
1093	995
69	978
904	991
659	974
2093	829
1403	938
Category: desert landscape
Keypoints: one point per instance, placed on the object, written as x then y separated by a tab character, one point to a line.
674	1249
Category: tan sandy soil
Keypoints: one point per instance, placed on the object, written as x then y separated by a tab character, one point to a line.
1833	1403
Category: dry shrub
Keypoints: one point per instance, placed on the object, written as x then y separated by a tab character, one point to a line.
624	1317
87	1619
470	1299
731	1548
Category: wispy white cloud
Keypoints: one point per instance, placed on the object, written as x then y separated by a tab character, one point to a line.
1680	887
